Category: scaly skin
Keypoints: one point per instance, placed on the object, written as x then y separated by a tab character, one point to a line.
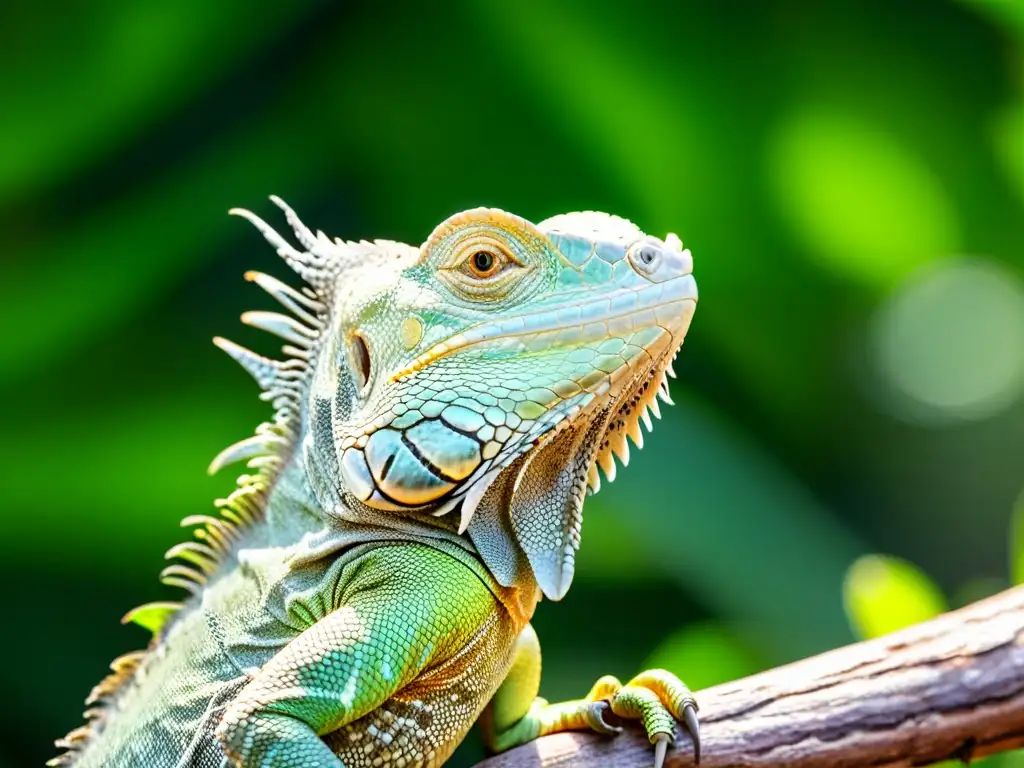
365	595
401	669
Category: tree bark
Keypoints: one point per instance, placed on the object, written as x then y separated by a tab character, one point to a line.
952	687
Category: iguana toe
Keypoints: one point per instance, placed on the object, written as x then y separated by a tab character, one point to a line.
658	699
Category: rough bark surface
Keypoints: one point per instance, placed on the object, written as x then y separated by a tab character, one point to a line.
952	687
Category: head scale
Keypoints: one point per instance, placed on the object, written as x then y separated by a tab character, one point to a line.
483	377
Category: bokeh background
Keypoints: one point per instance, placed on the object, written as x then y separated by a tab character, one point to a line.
849	176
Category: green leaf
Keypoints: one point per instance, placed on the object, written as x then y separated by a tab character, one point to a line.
882	594
151	616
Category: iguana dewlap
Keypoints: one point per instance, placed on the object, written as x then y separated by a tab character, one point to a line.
364	596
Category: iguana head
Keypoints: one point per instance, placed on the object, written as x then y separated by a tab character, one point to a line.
486	375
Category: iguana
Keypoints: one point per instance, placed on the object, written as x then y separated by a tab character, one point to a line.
364	595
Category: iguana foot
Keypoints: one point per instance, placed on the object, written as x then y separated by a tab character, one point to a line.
656	697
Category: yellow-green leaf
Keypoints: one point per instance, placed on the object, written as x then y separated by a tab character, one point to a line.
882	594
151	616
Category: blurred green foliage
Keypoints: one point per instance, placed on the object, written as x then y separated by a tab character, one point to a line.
818	159
1017	543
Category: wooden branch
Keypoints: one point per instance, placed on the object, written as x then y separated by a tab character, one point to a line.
952	687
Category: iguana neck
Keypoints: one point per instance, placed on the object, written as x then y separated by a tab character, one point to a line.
297	515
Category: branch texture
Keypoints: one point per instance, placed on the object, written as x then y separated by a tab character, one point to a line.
952	687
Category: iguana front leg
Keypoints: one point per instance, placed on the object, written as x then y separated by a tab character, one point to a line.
395	675
657	698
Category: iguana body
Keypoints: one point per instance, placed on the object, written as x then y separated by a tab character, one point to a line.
365	593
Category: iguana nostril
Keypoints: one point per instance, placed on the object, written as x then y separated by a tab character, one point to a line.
658	261
645	257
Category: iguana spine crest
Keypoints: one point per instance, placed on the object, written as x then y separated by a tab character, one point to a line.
283	383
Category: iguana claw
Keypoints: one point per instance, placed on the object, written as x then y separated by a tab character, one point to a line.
661	742
596	718
690	720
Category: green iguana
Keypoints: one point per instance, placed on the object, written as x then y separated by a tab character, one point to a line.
364	595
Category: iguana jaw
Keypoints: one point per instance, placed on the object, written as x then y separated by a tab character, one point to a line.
544	509
574	323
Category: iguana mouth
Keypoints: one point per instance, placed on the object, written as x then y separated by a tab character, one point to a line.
622	311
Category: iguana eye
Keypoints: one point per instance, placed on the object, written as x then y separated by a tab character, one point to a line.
482	268
484	261
483	264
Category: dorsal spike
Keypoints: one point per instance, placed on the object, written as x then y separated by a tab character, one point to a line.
283	248
75	738
282	326
264	370
250	447
216	532
127	661
121	668
302	307
183	572
302	233
189	586
192	551
243	504
319	265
